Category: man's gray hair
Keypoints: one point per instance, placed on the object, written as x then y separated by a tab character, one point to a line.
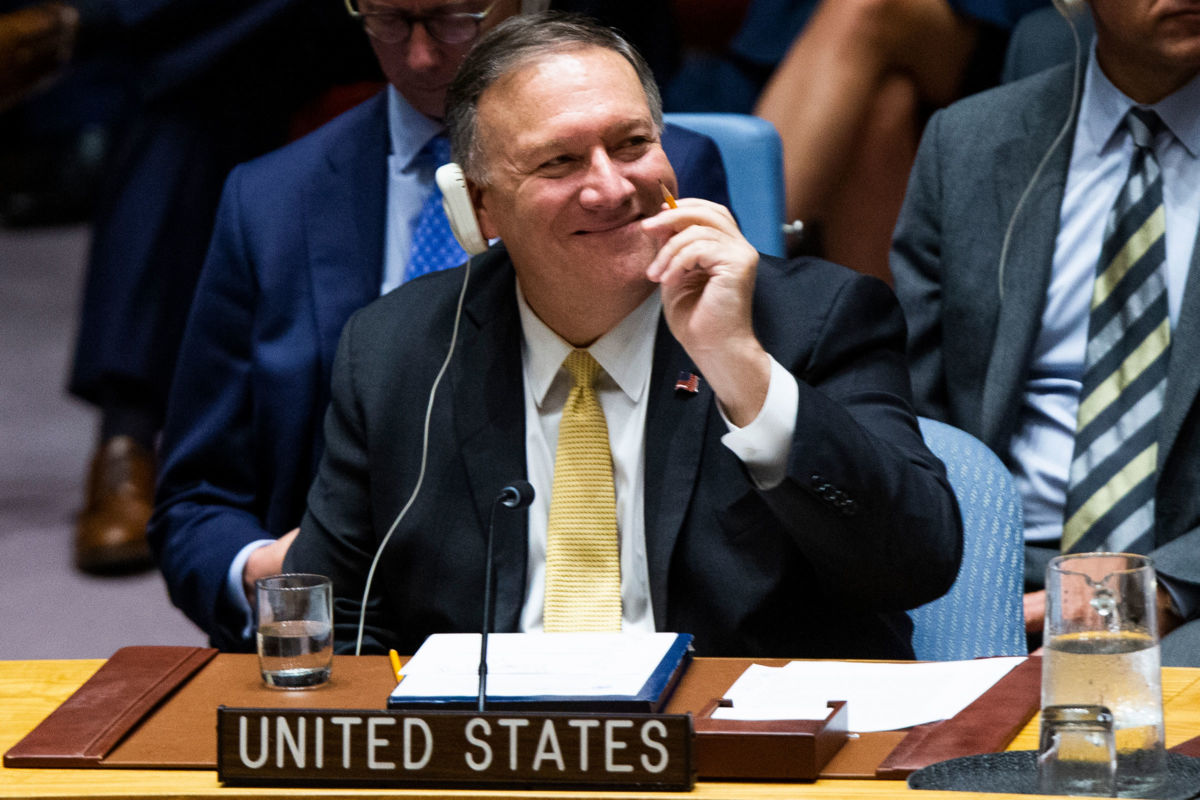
513	44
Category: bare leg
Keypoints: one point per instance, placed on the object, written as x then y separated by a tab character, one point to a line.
862	210
823	92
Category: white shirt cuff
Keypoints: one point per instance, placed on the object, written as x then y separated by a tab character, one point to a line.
233	584
764	444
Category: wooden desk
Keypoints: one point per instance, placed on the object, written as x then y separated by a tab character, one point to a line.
29	690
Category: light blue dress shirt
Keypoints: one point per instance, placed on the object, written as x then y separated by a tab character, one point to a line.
409	183
1043	444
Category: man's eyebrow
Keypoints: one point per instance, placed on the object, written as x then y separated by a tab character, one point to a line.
629	126
566	142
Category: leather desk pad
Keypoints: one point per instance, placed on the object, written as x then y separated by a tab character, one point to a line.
180	732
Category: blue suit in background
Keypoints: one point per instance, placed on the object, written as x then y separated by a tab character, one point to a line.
214	83
297	247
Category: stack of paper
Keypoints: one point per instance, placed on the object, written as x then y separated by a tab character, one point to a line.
879	696
547	669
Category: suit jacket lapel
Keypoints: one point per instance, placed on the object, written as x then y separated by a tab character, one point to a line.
488	412
1030	255
487	391
344	212
1183	379
676	425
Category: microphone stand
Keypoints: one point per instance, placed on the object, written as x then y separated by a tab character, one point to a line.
487	609
518	494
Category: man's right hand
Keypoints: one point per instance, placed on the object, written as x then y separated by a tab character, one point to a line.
707	270
35	44
266	560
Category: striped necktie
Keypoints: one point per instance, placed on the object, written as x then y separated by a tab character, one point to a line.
1110	494
433	245
583	571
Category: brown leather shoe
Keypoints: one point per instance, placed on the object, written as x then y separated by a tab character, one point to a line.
110	536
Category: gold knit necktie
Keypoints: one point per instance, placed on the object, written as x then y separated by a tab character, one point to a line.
583	571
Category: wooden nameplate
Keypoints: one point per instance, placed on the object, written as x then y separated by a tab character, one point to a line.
495	749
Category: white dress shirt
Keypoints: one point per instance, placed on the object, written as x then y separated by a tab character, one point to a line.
1043	444
626	355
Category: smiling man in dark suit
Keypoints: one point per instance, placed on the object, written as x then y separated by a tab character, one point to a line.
305	236
757	478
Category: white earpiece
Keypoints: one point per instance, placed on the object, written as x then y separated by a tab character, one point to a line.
459	211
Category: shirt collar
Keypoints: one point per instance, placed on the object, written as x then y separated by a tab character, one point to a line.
408	129
625	353
1181	112
1104	106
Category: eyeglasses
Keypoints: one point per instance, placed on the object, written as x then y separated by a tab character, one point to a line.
394	27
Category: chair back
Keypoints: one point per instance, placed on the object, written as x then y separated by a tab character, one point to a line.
753	158
982	613
1043	39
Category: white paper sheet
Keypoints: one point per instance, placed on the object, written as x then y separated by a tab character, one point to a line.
535	664
879	696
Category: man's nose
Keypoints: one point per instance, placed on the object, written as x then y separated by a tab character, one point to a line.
605	184
422	50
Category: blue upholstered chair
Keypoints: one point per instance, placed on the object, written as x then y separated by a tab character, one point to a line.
981	615
753	158
1043	39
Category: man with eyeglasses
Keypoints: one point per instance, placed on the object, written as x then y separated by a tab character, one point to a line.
419	45
304	237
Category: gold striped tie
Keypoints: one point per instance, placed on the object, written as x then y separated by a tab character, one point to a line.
1110	494
583	571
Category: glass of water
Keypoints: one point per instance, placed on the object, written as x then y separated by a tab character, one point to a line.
1102	649
295	630
1077	754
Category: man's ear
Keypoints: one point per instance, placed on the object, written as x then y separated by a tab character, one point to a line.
479	199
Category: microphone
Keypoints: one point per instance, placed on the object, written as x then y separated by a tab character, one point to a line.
518	494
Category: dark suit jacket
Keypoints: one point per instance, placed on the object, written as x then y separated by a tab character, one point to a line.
863	526
972	329
298	246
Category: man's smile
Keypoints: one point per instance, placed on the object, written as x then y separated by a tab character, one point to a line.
615	226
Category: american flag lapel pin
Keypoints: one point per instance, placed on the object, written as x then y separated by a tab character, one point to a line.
687	382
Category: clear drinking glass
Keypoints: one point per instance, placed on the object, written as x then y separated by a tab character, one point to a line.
1077	754
1102	649
295	629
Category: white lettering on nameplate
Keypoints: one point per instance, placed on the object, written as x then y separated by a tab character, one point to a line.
299	747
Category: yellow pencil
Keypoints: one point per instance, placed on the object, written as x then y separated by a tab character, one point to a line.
395	657
670	200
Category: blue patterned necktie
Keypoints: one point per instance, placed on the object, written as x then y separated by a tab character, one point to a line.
433	245
1110	494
